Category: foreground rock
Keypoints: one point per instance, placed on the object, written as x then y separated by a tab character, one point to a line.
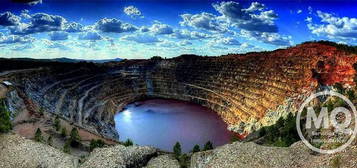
18	152
164	161
120	157
249	155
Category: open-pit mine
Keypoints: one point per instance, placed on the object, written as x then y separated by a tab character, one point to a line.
247	91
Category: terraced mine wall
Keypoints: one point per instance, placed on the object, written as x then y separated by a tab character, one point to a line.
248	91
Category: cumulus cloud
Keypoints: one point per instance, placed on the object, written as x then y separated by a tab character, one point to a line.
333	26
205	21
132	12
190	35
227	41
159	28
40	22
144	29
185	43
254	18
255	6
269	38
11	39
25	14
167	44
299	11
59	35
93	36
114	26
141	38
29	2
74	27
9	19
58	46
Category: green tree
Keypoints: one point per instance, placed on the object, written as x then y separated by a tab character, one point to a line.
50	140
96	144
75	139
208	146
63	132
196	148
128	142
57	124
66	147
41	111
38	135
5	122
177	150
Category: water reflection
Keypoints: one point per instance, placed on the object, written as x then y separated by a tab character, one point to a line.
161	122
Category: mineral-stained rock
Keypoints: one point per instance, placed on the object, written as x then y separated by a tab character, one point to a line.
248	91
163	161
120	157
18	152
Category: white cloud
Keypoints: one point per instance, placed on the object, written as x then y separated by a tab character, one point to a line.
11	39
254	18
159	28
205	21
226	41
333	26
190	35
141	38
9	19
55	36
299	11
93	36
114	26
132	11
269	38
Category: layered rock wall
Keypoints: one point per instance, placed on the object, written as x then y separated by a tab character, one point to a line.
245	90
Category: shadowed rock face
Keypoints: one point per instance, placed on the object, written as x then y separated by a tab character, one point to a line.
248	91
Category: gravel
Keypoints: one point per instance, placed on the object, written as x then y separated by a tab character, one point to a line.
18	152
163	161
120	156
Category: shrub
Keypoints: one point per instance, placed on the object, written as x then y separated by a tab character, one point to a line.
234	138
50	140
336	162
128	142
196	148
5	122
282	134
184	161
74	138
63	132
339	88
41	111
38	135
66	147
208	146
96	144
177	150
57	124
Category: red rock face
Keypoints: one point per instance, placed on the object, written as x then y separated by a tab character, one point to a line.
241	88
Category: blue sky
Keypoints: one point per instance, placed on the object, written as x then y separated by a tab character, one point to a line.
104	29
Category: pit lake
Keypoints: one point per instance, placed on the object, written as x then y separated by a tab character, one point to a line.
163	122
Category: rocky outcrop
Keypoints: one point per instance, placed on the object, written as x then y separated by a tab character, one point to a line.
248	91
120	157
251	155
19	152
165	161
